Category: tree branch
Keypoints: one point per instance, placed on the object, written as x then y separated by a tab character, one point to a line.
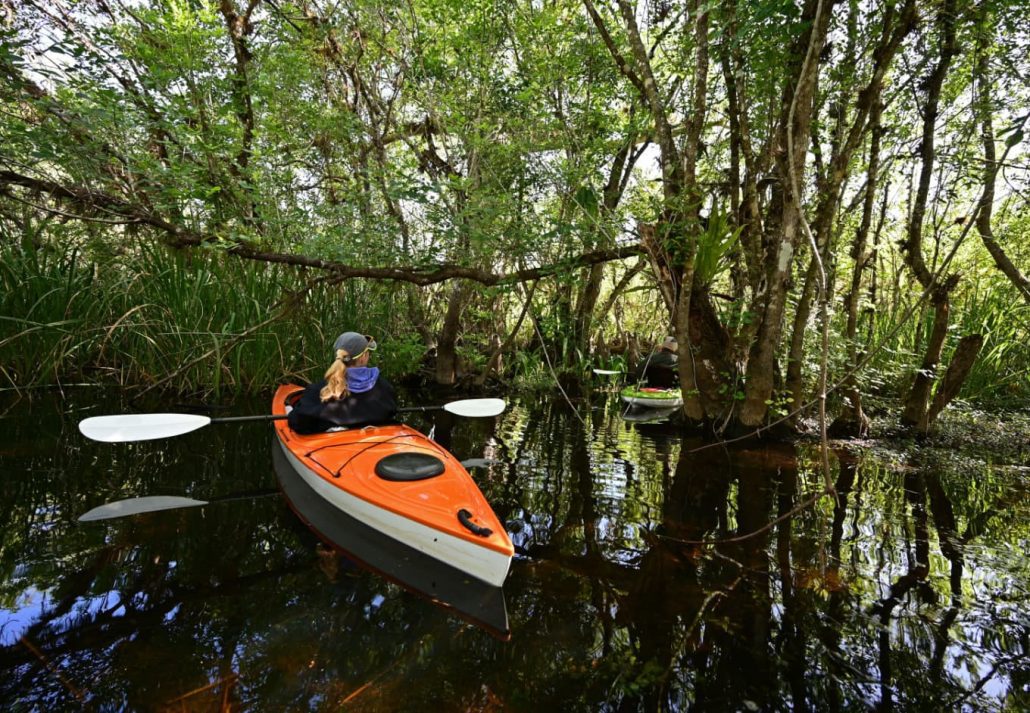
180	238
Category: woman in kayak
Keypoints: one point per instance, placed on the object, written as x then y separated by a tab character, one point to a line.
352	393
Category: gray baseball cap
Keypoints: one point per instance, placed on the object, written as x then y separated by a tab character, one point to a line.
354	344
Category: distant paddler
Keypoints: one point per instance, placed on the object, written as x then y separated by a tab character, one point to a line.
660	368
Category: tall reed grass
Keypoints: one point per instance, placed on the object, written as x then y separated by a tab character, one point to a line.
1001	374
49	304
140	317
135	318
984	304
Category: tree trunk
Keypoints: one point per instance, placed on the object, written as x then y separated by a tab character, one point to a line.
795	124
961	362
675	276
446	346
618	174
712	364
919	396
692	406
417	315
853	423
845	141
918	399
985	109
495	364
743	188
584	318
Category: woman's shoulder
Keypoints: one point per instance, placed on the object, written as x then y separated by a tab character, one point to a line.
313	389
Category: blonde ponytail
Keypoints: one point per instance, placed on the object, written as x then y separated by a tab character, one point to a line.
336	378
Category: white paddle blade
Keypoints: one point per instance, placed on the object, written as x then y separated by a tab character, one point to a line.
479	462
140	426
606	372
476	408
135	506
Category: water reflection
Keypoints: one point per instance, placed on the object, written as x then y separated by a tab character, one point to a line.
909	590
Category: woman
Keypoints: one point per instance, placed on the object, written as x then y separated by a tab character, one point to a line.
351	393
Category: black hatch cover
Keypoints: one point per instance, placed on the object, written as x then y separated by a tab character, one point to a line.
409	466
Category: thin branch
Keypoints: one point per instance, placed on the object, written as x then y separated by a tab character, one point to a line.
63	214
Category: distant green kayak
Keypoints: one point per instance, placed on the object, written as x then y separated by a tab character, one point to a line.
652	398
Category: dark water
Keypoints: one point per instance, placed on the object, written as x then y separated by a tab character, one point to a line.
910	591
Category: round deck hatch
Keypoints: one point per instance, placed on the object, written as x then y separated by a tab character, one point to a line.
409	466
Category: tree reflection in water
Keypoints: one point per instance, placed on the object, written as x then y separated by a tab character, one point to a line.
907	591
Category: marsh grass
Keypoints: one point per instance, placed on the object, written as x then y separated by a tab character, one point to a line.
138	318
48	302
1001	373
985	304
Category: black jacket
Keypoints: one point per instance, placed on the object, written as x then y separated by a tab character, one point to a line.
375	406
659	370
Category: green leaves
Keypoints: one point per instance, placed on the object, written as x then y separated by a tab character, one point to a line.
713	245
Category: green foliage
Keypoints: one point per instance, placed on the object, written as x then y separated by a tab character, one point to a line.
480	134
49	306
714	245
400	355
1001	373
781	404
138	319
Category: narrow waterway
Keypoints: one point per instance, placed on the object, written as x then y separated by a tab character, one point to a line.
910	590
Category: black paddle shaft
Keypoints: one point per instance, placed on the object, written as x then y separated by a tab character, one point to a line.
261	417
280	417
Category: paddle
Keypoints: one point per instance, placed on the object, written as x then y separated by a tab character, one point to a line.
128	428
606	372
156	503
479	462
135	506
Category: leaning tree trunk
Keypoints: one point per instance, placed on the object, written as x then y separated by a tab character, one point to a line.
961	362
919	397
917	404
984	108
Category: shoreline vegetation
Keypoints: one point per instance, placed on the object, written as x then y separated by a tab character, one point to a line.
131	322
827	207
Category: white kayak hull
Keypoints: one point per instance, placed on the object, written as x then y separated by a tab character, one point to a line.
655	403
636	414
480	562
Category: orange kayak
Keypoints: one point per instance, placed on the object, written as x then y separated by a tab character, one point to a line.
399	482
